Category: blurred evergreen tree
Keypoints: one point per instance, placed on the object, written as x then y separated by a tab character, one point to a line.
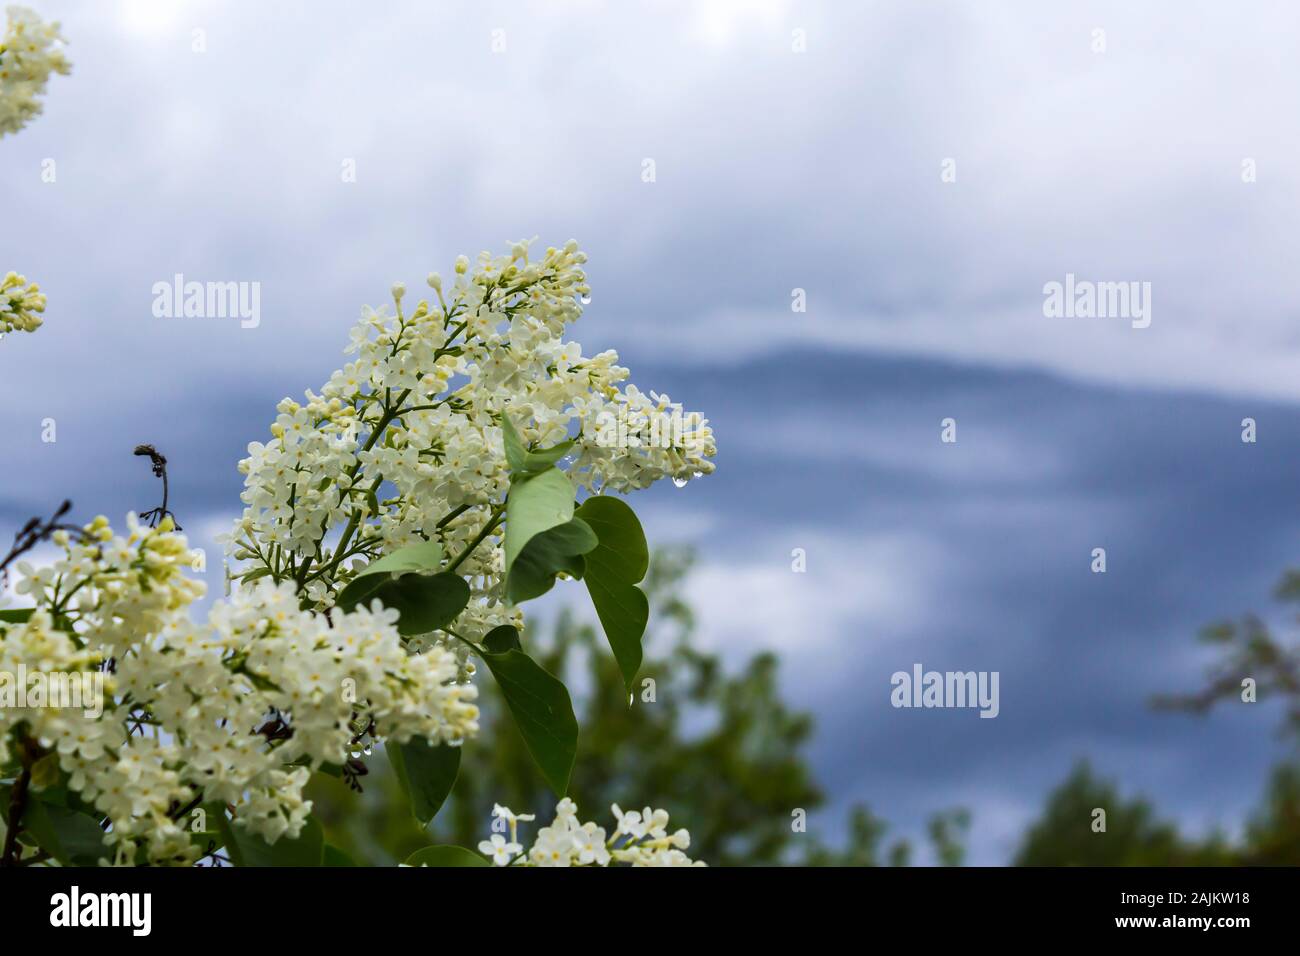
1064	834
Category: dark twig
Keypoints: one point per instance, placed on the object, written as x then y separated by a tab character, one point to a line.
33	533
18	804
155	515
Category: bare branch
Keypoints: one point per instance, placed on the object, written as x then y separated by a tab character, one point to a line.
33	533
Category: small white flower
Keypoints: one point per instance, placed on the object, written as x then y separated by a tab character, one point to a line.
501	851
629	823
569	842
512	818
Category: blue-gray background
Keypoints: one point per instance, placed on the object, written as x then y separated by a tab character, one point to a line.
775	170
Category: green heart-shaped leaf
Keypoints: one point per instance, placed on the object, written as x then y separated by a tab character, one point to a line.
445	856
613	569
425	556
71	837
426	602
542	710
426	772
536	503
502	639
546	554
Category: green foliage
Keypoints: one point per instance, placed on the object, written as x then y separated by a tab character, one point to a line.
445	856
1273	832
547	553
401	581
535	503
1249	649
543	714
542	536
333	856
55	822
426	774
1136	836
864	846
613	571
246	849
718	747
427	602
1063	835
947	832
523	461
425	556
733	784
735	781
502	639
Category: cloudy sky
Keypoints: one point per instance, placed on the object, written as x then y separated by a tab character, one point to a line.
920	170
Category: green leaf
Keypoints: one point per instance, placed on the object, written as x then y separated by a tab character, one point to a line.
333	856
445	856
16	615
620	535
554	550
613	569
525	462
543	712
426	602
203	838
535	504
514	445
502	639
247	849
71	837
542	536
425	556
623	610
426	772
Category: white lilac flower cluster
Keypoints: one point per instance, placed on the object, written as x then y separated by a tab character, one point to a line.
21	303
404	443
641	838
30	51
237	712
